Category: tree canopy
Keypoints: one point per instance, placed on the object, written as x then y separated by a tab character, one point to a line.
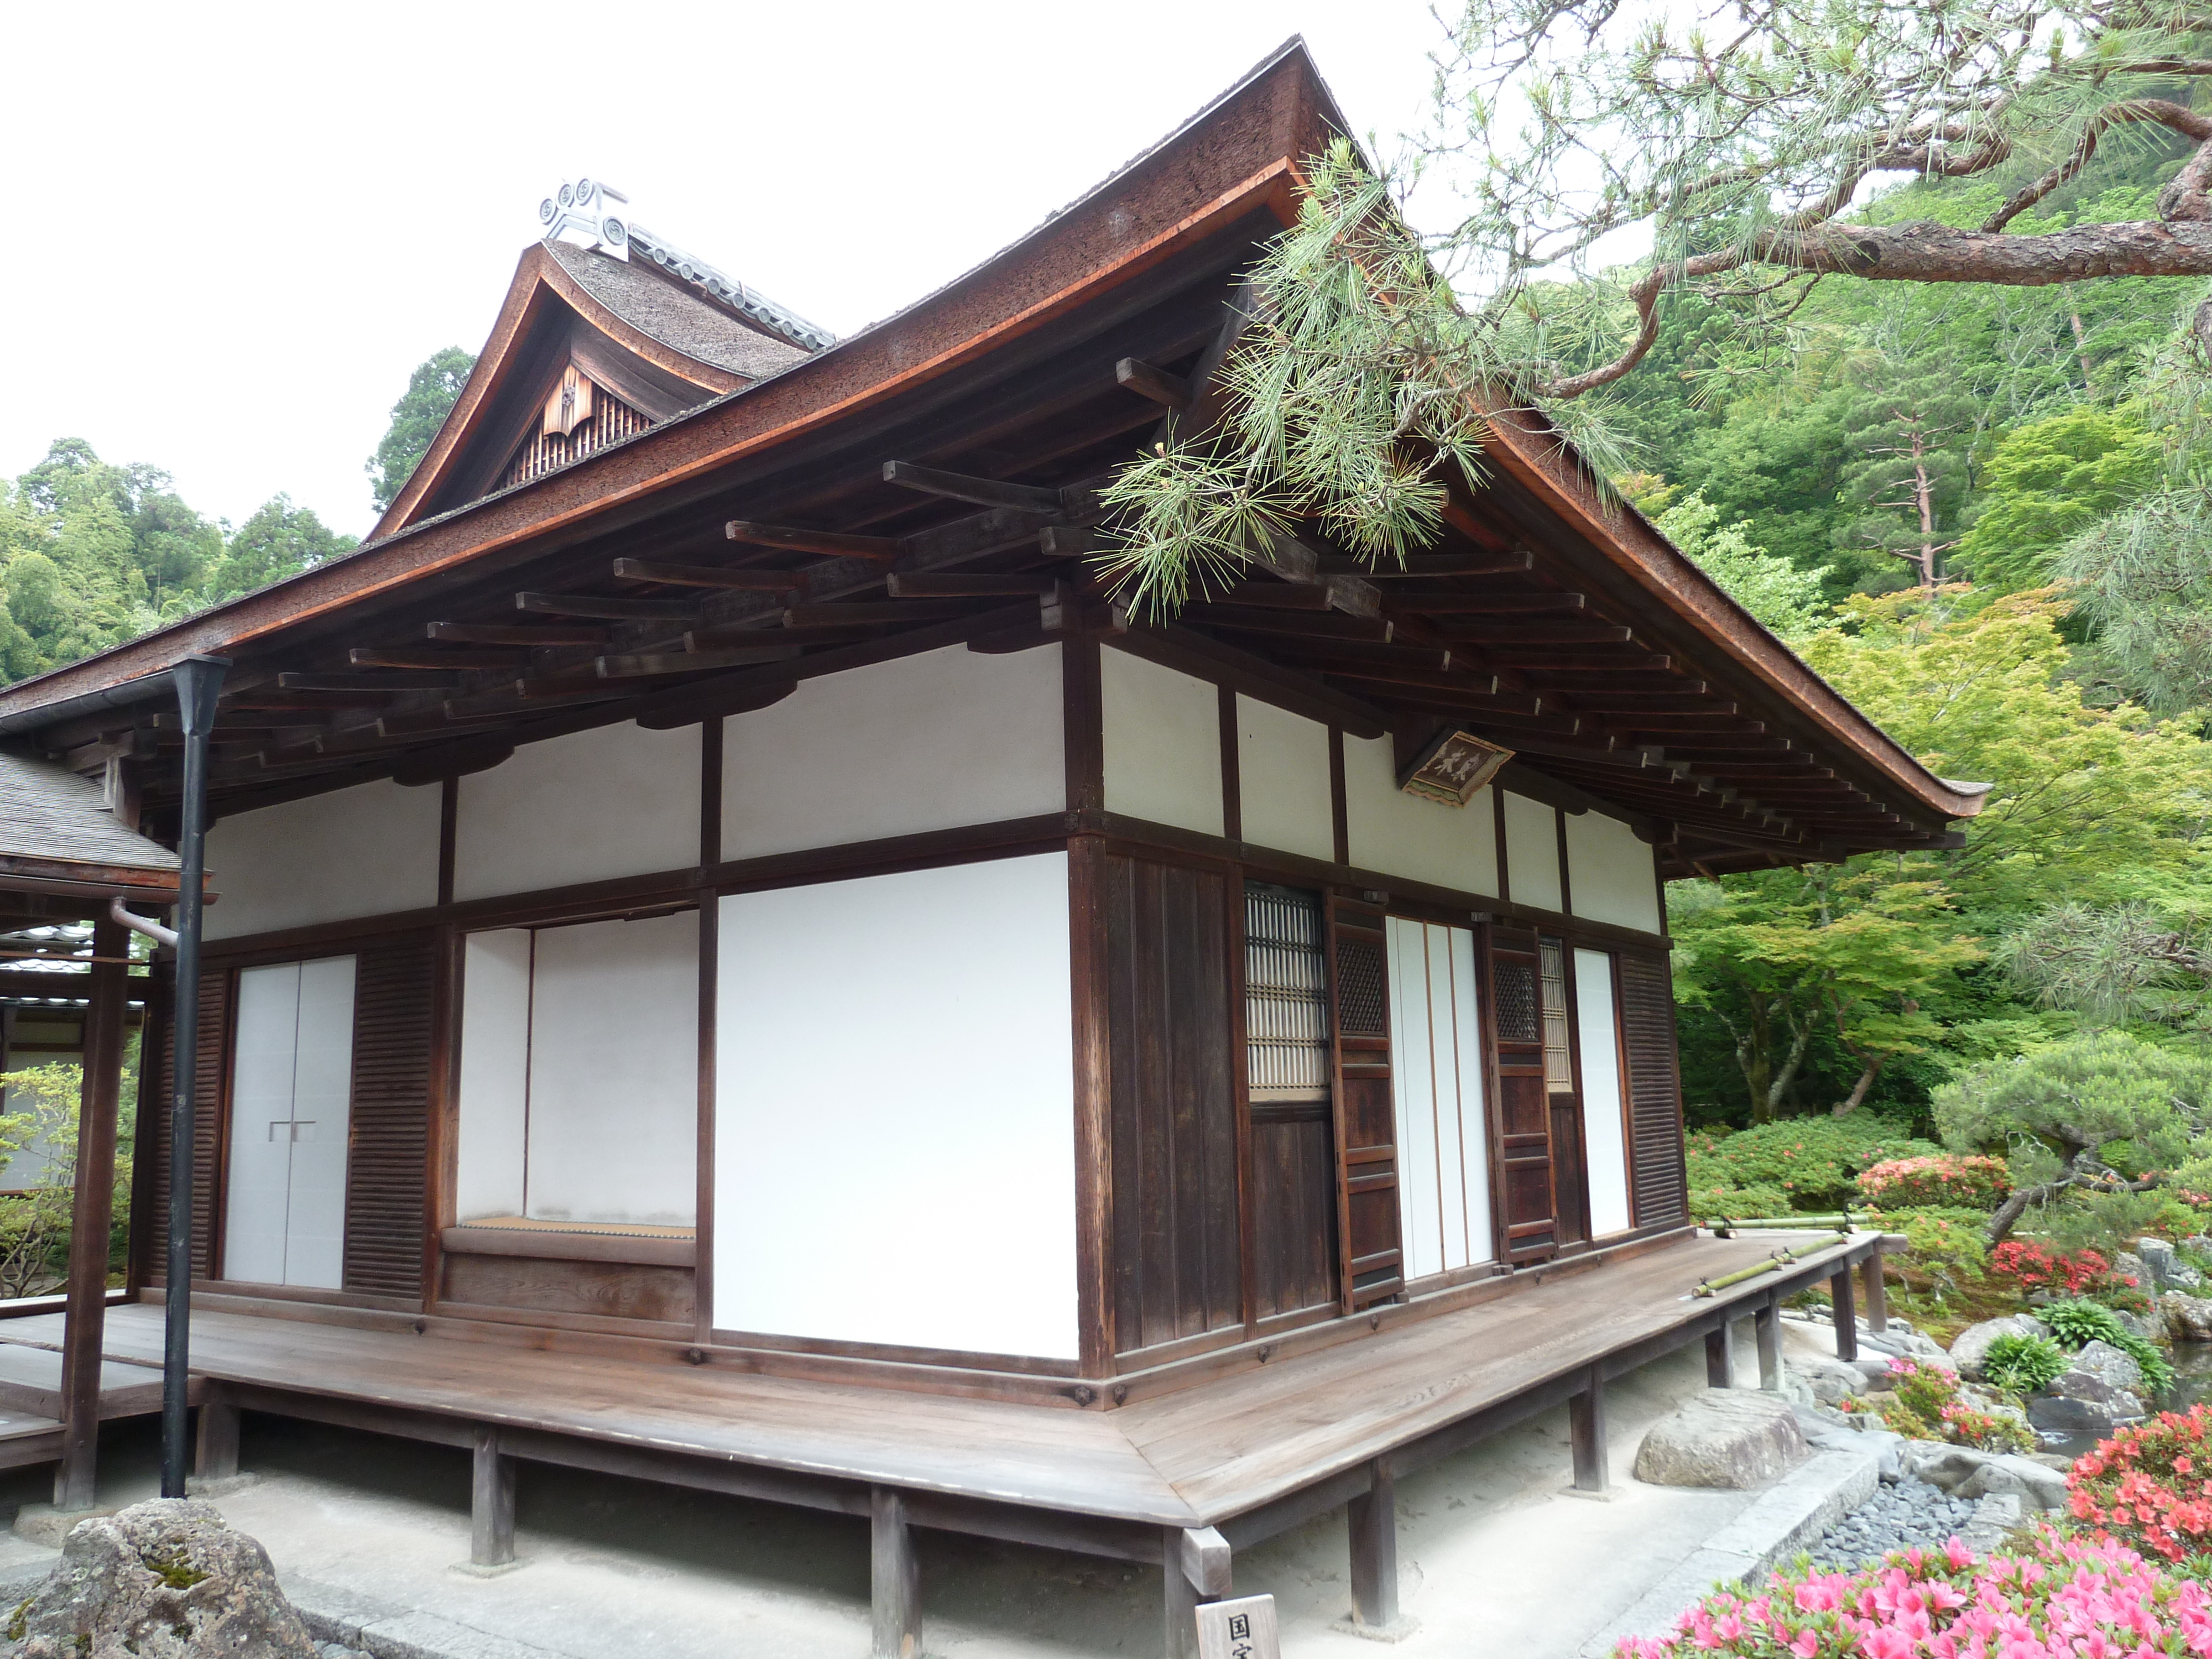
432	390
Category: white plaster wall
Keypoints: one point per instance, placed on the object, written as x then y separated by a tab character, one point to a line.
366	851
1610	873
614	1073
895	1121
929	742
1400	835
1163	744
1605	1144
1532	853
1282	777
616	800
495	1099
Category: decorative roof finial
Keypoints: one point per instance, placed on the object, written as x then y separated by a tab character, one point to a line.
588	212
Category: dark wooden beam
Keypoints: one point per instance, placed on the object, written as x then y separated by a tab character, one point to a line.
647	665
1323	656
527	633
835	543
700	575
1487	604
423	657
1277	596
1537	633
846	612
607	609
984	492
1309	624
287	701
1417	566
1564	658
936	585
396	681
1169	391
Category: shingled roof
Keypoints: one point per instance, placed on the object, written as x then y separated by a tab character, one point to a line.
56	832
677	316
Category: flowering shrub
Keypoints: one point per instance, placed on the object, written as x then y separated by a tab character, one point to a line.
2038	1267
1815	1160
2150	1485
1715	1203
2057	1598
1909	1182
1924	1403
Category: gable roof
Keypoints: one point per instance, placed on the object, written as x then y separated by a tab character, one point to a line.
1573	633
56	834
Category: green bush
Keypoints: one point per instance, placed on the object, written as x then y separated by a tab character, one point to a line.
1815	1161
1731	1203
2077	1324
2021	1365
1949	1249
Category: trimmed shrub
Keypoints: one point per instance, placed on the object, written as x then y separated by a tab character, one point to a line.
2077	1324
2056	1597
2021	1365
1947	1179
1816	1161
1731	1203
1950	1252
2149	1486
2038	1267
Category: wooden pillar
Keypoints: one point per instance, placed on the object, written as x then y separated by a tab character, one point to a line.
215	1455
1586	1429
92	1213
1877	1293
894	1578
1371	1520
1179	1600
1768	1325
491	1505
1847	1318
1719	1372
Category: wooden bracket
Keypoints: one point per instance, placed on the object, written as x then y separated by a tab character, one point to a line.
1205	1560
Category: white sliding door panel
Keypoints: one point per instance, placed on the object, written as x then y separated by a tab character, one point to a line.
1443	1199
322	1110
614	1073
495	1073
1605	1142
259	1186
291	1106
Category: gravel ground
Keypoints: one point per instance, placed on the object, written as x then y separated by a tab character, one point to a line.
1895	1518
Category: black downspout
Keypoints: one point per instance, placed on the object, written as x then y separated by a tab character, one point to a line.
199	680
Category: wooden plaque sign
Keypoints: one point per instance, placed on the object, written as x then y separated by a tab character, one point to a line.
1242	1628
1453	766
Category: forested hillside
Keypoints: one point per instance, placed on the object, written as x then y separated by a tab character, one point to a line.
2019	445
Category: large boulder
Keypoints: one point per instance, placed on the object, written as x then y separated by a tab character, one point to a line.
2076	1419
1722	1437
1963	1471
2157	1260
1830	1381
2188	1318
161	1580
2110	1365
1971	1345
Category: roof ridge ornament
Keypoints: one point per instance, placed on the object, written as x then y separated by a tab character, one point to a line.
587	212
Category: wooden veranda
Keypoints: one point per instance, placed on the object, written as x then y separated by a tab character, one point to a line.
1181	1479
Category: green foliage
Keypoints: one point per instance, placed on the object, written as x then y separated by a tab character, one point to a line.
432	390
1924	1403
279	540
2048	481
1718	1200
1814	1161
2077	1324
1784	597
1945	1244
2021	1365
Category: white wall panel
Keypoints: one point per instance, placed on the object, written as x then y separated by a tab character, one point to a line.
368	851
929	742
1444	1167
291	1106
616	800
1605	1144
1282	777
1532	853
1163	743
1611	876
895	1124
614	1073
495	1073
1401	834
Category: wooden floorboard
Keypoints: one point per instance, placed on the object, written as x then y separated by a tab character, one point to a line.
1190	1458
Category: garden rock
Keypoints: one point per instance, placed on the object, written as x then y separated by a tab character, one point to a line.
2058	1413
1830	1380
1722	1437
2188	1318
161	1580
1971	1345
2120	1404
2108	1364
2158	1258
2133	1324
1951	1468
2128	1265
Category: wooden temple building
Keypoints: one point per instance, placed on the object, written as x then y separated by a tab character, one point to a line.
736	962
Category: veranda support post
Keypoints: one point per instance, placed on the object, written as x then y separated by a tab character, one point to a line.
91	1217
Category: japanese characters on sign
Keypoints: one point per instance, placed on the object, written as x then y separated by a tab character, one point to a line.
1242	1628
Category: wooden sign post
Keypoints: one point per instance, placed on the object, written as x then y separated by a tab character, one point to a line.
1242	1628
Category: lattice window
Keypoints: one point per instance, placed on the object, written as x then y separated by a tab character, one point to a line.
1516	1001
1361	1005
1559	1067
611	421
1286	995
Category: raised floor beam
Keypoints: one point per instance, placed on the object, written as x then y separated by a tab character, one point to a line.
215	1451
491	1503
1586	1429
894	1578
1372	1522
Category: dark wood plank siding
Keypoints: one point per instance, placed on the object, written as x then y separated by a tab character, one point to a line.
393	989
1525	1149
1372	1250
208	1126
1293	1209
1661	1186
1176	1268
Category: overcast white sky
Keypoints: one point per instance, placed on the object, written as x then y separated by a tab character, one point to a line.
237	228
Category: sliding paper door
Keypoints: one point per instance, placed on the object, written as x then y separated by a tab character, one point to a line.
290	1120
1442	1138
1605	1135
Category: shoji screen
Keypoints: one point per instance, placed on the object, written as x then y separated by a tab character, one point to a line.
1605	1137
291	1106
1443	1138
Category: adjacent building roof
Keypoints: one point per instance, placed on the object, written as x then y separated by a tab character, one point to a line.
56	834
970	432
